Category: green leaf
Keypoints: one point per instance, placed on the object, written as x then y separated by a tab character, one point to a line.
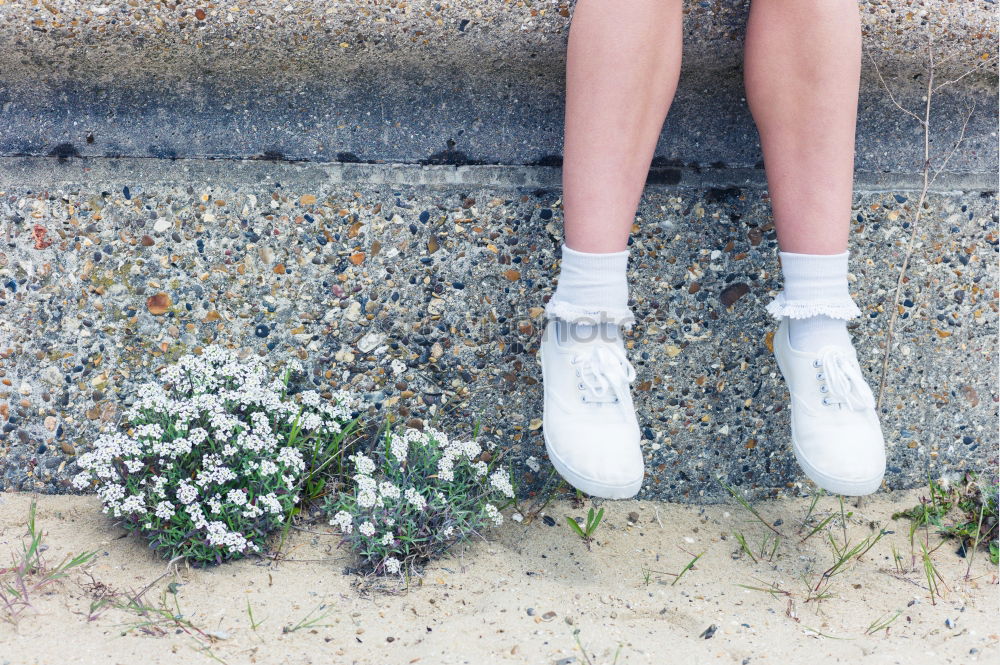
576	527
597	521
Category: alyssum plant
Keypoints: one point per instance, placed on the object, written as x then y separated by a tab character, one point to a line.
212	461
417	495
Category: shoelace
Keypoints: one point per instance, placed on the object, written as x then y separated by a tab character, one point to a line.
606	373
846	384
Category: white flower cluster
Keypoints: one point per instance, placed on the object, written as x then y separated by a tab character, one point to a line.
420	478
392	565
494	514
500	481
221	409
343	521
451	451
415	498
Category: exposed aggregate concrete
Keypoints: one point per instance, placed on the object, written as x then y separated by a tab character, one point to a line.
428	300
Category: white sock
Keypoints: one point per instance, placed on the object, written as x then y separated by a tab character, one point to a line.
816	300
591	295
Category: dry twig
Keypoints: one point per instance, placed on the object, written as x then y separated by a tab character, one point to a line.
928	180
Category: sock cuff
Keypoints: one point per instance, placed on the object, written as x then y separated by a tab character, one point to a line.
592	287
809	266
593	260
814	284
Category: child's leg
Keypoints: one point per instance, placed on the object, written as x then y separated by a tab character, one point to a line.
621	73
622	66
802	69
623	62
803	63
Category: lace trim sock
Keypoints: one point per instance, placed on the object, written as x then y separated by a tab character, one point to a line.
815	299
592	289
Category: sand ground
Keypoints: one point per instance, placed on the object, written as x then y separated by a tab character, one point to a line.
517	598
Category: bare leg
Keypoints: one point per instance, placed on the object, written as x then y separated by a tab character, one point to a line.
802	70
622	67
621	74
803	64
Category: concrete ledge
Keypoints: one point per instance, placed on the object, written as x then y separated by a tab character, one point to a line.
53	171
426	82
162	38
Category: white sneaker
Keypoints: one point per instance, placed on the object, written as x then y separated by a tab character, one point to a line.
836	435
589	424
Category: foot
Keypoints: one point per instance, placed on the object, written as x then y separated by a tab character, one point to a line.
836	435
589	424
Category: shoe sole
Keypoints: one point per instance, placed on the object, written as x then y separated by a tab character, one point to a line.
591	487
837	485
829	483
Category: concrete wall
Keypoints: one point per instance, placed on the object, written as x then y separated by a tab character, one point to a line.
123	133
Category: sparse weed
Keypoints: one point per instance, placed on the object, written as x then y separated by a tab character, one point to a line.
882	623
818	527
812	506
743	545
772	589
977	518
586	656
688	567
253	622
931	574
742	500
773	542
586	532
158	619
306	622
843	555
29	573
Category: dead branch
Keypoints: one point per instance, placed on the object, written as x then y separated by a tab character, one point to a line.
927	178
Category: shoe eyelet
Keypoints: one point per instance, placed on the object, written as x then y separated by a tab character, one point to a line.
583	398
578	372
826	402
824	389
819	375
580	386
616	400
817	363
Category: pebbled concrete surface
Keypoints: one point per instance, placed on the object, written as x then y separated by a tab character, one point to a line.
423	287
428	82
428	299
